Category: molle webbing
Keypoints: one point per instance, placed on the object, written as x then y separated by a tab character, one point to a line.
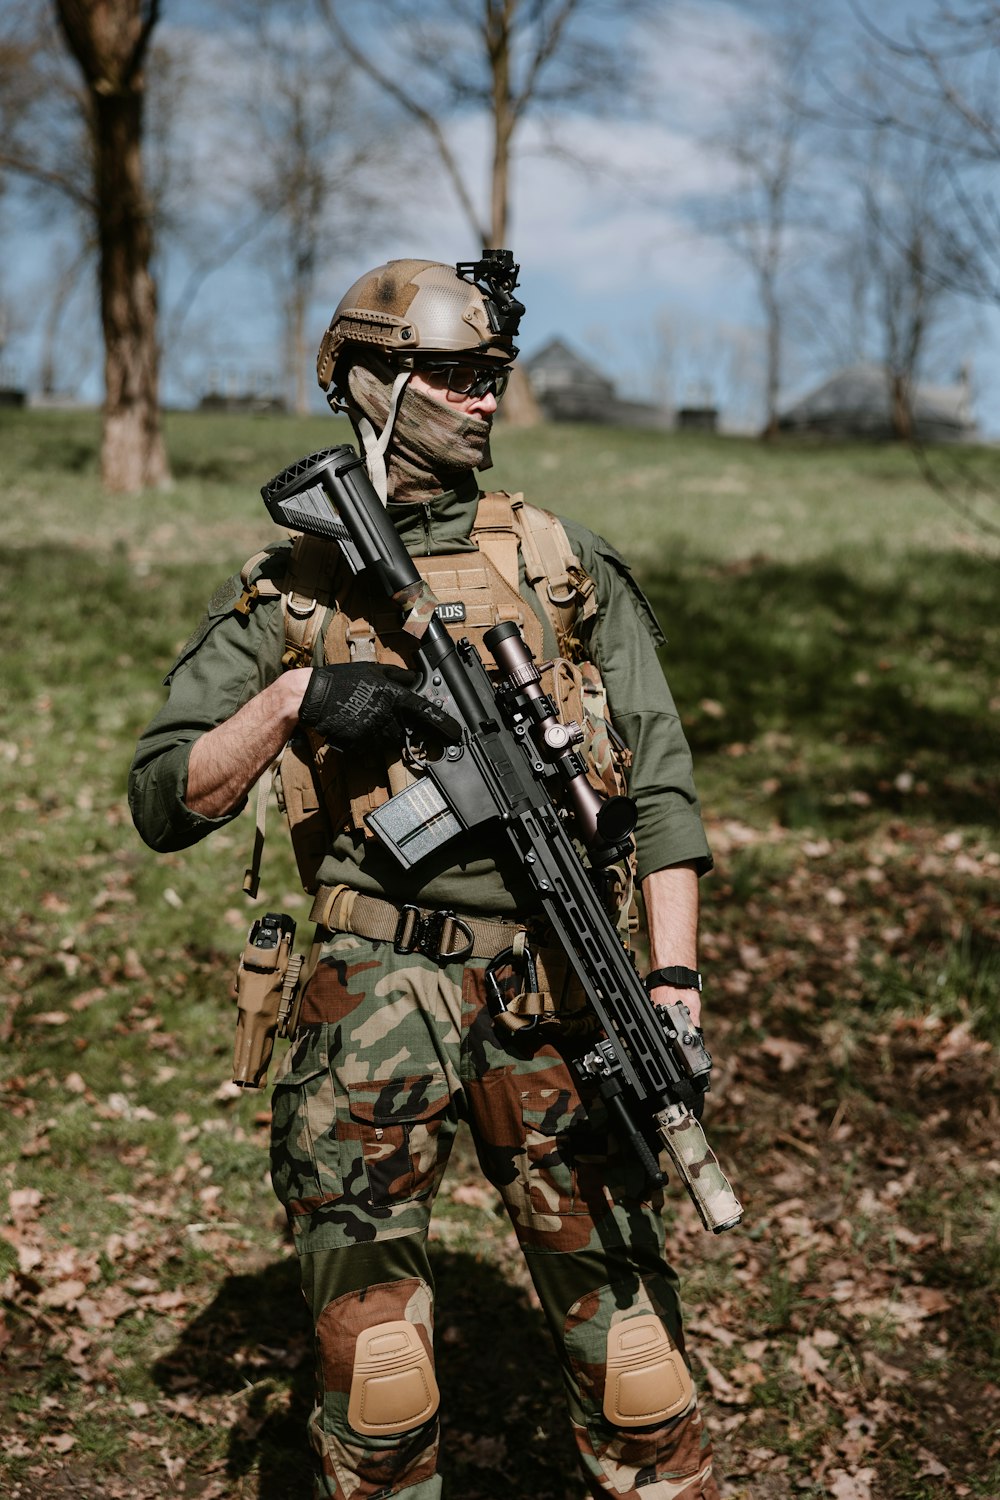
367	627
484	583
504	527
312	567
554	571
496	534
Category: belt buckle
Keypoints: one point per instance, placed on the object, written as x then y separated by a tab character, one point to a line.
432	931
422	932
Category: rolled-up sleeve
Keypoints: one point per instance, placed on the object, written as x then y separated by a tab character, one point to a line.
229	659
624	644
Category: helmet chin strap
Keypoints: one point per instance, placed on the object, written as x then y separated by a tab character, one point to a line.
375	446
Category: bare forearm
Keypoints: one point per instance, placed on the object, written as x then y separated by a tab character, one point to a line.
225	762
671	900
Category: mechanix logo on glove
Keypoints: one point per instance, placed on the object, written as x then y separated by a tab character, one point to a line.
356	702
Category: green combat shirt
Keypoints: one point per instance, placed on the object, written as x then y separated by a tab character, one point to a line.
231	657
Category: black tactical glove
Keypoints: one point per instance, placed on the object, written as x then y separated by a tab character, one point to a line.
359	701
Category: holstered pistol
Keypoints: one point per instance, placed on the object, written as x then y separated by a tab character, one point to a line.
266	981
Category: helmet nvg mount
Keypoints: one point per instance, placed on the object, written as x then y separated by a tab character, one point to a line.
418	311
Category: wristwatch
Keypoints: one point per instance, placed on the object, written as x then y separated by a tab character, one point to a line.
677	977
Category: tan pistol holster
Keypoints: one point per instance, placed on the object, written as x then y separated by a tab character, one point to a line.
265	991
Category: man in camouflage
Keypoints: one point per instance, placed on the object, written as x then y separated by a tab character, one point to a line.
395	1044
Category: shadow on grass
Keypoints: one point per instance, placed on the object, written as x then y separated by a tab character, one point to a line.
503	1428
871	679
35	443
253	1341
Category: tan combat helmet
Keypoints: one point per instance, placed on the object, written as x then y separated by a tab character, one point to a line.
419	311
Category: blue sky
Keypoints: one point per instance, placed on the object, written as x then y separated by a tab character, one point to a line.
610	258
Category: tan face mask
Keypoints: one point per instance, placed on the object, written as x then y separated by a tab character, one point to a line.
434	444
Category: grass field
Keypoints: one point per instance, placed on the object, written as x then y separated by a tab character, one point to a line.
834	641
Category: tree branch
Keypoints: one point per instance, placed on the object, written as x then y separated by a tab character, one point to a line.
545	50
413	108
38	172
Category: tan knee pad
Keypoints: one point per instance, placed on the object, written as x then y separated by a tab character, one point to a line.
647	1379
392	1386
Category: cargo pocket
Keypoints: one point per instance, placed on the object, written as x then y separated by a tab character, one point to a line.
398	1122
558	1143
305	1151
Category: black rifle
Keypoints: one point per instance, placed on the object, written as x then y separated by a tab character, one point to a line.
651	1068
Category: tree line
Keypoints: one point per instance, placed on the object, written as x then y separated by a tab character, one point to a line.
856	169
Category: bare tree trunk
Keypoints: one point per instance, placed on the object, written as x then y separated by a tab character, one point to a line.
520	409
498	18
133	456
109	39
900	406
300	364
514	45
772	312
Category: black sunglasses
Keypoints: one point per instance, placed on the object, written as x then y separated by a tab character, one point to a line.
471	380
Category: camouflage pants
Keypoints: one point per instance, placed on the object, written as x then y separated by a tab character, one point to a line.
393	1051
